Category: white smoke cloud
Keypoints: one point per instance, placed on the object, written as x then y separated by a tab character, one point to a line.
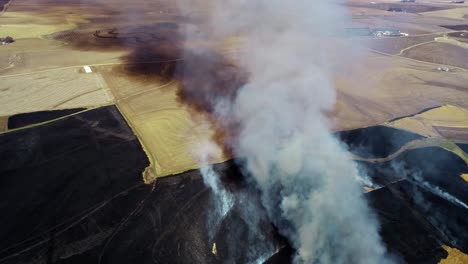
223	200
438	191
308	181
416	177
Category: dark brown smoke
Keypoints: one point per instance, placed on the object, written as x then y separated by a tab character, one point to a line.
206	78
162	51
114	37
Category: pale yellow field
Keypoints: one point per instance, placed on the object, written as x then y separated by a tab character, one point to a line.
22	25
31	55
29	21
170	133
49	90
3	123
455	256
446	116
465	177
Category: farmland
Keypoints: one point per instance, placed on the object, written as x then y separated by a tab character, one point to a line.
3	123
442	121
439	53
145	77
60	89
170	132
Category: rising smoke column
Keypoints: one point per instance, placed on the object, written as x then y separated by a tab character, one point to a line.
308	181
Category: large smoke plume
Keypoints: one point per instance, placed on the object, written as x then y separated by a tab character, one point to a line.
308	182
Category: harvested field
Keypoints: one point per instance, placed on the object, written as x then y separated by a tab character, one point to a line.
397	45
13	24
32	55
59	89
355	109
3	123
100	38
457	12
379	95
169	130
465	177
95	155
446	121
26	119
455	256
402	7
453	132
459	42
416	24
439	53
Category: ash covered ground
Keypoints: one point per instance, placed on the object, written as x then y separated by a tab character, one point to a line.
81	185
75	207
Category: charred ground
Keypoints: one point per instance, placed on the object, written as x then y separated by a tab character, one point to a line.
26	119
75	208
375	141
100	208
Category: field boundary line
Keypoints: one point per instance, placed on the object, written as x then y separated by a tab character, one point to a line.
420	61
53	120
109	64
80	66
414	46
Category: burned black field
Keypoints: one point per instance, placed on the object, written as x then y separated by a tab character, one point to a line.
72	192
375	141
22	120
464	147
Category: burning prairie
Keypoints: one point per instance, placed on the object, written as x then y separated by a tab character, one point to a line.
264	83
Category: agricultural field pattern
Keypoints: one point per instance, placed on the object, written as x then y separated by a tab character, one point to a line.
203	131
